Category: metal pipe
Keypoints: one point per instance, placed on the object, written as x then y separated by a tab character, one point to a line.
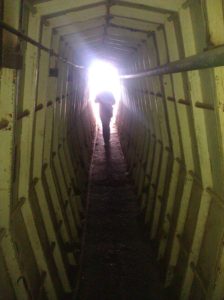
209	59
21	35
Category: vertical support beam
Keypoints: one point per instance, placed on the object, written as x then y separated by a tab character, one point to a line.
195	84
65	135
215	32
187	140
39	133
49	171
26	142
56	162
62	137
215	23
162	141
8	90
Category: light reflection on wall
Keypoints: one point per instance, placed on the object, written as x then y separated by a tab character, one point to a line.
103	76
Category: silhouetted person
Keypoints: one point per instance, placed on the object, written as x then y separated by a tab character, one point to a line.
106	101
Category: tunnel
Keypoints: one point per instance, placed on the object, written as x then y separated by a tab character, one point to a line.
142	218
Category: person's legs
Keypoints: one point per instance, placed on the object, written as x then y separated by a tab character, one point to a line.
106	131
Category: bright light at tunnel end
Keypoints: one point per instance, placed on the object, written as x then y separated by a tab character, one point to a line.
103	76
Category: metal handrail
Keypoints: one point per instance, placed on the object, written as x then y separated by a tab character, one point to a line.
26	38
209	59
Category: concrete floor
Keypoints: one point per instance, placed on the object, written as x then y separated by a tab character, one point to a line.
118	262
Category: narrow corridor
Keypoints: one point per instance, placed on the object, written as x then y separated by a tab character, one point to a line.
118	262
155	231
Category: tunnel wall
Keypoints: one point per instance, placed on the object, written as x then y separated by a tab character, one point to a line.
172	134
46	134
171	129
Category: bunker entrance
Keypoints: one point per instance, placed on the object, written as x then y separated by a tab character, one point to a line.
103	76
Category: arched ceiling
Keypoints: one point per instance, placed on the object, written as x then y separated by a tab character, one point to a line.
112	28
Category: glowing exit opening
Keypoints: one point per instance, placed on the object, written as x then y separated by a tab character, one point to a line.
103	76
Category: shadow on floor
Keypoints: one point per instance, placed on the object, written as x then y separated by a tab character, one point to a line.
118	262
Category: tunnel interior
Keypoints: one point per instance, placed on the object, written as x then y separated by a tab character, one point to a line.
167	147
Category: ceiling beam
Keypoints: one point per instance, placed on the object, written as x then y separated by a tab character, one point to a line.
152	6
107	56
119	49
73	23
133	24
129	12
110	39
128	46
100	50
81	28
111	17
123	33
122	46
84	30
89	43
125	39
39	1
86	40
125	43
107	18
55	8
135	19
106	47
129	28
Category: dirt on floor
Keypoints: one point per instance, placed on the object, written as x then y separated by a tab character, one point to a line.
117	262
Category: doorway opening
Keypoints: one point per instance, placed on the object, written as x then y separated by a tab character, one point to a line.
103	76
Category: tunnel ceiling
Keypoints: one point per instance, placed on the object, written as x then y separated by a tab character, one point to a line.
110	29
